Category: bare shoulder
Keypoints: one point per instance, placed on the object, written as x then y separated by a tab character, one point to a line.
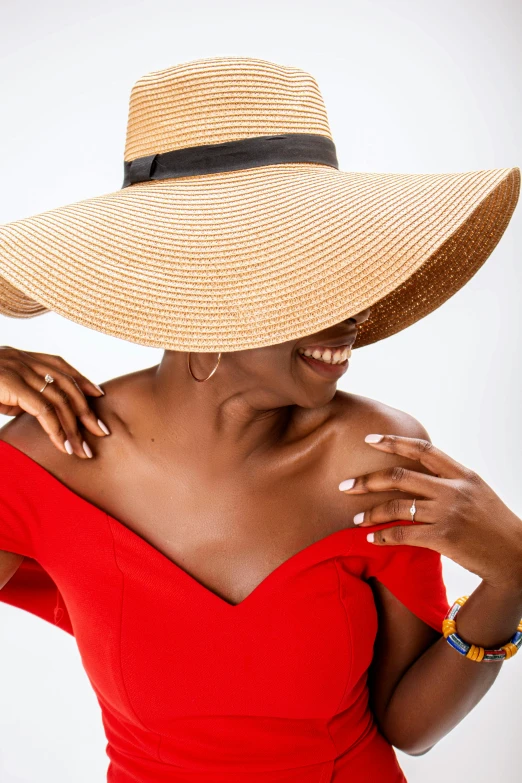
115	408
352	408
355	416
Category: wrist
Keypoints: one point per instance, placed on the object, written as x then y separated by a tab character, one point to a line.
491	615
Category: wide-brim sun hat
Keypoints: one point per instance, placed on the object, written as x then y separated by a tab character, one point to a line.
236	229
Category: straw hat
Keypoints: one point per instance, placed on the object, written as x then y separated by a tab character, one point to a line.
255	237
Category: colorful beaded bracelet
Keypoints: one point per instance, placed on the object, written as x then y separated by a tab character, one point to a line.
473	651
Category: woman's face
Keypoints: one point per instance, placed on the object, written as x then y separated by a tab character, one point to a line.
302	372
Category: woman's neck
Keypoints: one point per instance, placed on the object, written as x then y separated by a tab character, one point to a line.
227	417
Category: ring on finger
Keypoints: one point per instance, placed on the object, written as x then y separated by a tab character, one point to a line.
413	509
48	379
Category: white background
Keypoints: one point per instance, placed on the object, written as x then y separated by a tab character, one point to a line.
409	87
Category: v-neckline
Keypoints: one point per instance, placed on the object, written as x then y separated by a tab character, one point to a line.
272	576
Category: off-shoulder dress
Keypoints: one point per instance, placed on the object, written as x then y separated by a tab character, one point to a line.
194	689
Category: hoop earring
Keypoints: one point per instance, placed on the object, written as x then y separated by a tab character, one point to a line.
200	380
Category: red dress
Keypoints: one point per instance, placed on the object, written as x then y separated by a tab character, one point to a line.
193	689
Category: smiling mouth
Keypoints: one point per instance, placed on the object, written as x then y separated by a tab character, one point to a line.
337	355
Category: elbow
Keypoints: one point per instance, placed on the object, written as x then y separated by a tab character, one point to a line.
412	750
411	745
418	752
406	736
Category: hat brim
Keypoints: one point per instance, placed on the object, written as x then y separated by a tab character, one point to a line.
250	258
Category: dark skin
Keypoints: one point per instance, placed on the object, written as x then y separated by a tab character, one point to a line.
231	477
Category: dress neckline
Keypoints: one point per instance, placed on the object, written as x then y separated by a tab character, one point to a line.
321	547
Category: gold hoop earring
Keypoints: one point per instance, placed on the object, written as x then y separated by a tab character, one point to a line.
200	380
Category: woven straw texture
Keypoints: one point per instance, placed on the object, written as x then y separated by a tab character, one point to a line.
249	258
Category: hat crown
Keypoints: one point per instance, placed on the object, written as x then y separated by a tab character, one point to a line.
220	99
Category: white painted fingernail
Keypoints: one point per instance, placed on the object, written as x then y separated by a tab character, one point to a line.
358	518
68	447
370	537
373	438
103	427
86	448
348	484
99	388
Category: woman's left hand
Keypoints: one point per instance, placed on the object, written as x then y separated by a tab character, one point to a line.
457	514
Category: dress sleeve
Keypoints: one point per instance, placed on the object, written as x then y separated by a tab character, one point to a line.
412	573
19	518
25	501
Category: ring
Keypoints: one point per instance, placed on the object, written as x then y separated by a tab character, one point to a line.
48	379
413	509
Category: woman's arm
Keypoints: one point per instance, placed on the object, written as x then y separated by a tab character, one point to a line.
417	704
422	687
22	374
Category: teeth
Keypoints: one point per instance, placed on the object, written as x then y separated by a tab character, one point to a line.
337	356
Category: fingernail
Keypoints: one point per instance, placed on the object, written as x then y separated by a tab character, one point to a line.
373	438
99	388
358	518
348	484
86	448
68	447
103	427
370	537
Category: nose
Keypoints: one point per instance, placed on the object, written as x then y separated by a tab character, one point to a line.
360	317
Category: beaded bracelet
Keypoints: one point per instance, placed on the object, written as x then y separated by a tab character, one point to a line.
473	651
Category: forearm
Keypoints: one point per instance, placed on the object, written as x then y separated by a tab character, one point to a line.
442	687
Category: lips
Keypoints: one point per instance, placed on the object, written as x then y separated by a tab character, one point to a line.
324	369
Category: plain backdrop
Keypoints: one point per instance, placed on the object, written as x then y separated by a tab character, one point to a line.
409	87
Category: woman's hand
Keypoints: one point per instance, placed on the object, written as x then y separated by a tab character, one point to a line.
22	375
457	514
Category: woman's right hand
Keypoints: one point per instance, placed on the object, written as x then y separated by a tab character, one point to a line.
57	408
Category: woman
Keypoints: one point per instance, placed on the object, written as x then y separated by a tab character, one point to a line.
238	616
